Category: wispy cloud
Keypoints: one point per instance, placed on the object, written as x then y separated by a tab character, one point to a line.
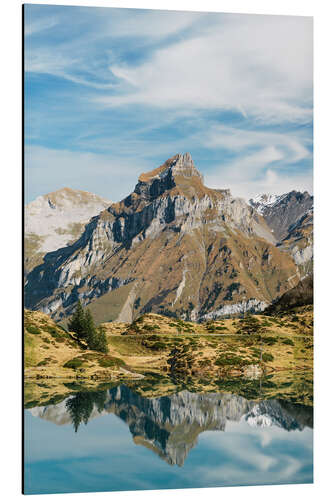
88	59
257	67
243	183
118	91
31	28
295	145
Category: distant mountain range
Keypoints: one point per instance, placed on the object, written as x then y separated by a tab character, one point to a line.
173	247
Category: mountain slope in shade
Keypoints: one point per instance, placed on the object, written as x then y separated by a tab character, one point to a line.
300	295
290	217
56	219
174	247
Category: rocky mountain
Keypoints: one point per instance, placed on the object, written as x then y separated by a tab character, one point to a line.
299	243
290	217
174	247
170	425
57	219
282	212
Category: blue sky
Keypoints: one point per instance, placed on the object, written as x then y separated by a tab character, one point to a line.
110	93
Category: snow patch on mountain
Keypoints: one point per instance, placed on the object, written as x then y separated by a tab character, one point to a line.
55	217
261	201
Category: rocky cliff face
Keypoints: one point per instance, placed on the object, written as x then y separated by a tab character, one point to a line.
290	217
56	219
173	246
170	425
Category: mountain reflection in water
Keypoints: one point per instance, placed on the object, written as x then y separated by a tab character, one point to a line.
170	425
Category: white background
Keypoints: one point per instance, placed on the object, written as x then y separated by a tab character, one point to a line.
10	245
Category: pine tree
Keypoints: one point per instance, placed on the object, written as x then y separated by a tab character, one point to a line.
90	333
102	343
77	322
82	323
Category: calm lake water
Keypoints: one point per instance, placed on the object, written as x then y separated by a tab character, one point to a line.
116	439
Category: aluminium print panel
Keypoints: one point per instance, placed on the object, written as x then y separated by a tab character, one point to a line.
168	249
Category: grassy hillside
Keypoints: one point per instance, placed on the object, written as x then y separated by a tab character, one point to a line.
51	352
248	346
297	321
256	356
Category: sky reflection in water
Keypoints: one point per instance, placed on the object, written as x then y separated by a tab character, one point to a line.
269	443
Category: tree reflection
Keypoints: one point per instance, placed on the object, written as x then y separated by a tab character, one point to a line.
82	404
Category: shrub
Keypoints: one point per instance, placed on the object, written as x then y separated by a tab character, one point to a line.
158	345
33	329
44	362
230	360
110	362
151	328
267	357
288	342
60	339
269	340
153	337
73	363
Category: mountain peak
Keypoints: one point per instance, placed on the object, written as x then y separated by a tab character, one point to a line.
183	165
178	165
183	160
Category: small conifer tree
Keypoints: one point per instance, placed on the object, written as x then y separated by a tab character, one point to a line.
90	332
82	323
77	322
101	341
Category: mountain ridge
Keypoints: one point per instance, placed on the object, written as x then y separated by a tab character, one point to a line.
172	246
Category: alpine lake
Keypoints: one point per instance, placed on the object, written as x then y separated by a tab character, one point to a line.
166	432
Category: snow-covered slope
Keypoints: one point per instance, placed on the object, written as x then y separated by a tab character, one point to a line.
54	220
262	201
